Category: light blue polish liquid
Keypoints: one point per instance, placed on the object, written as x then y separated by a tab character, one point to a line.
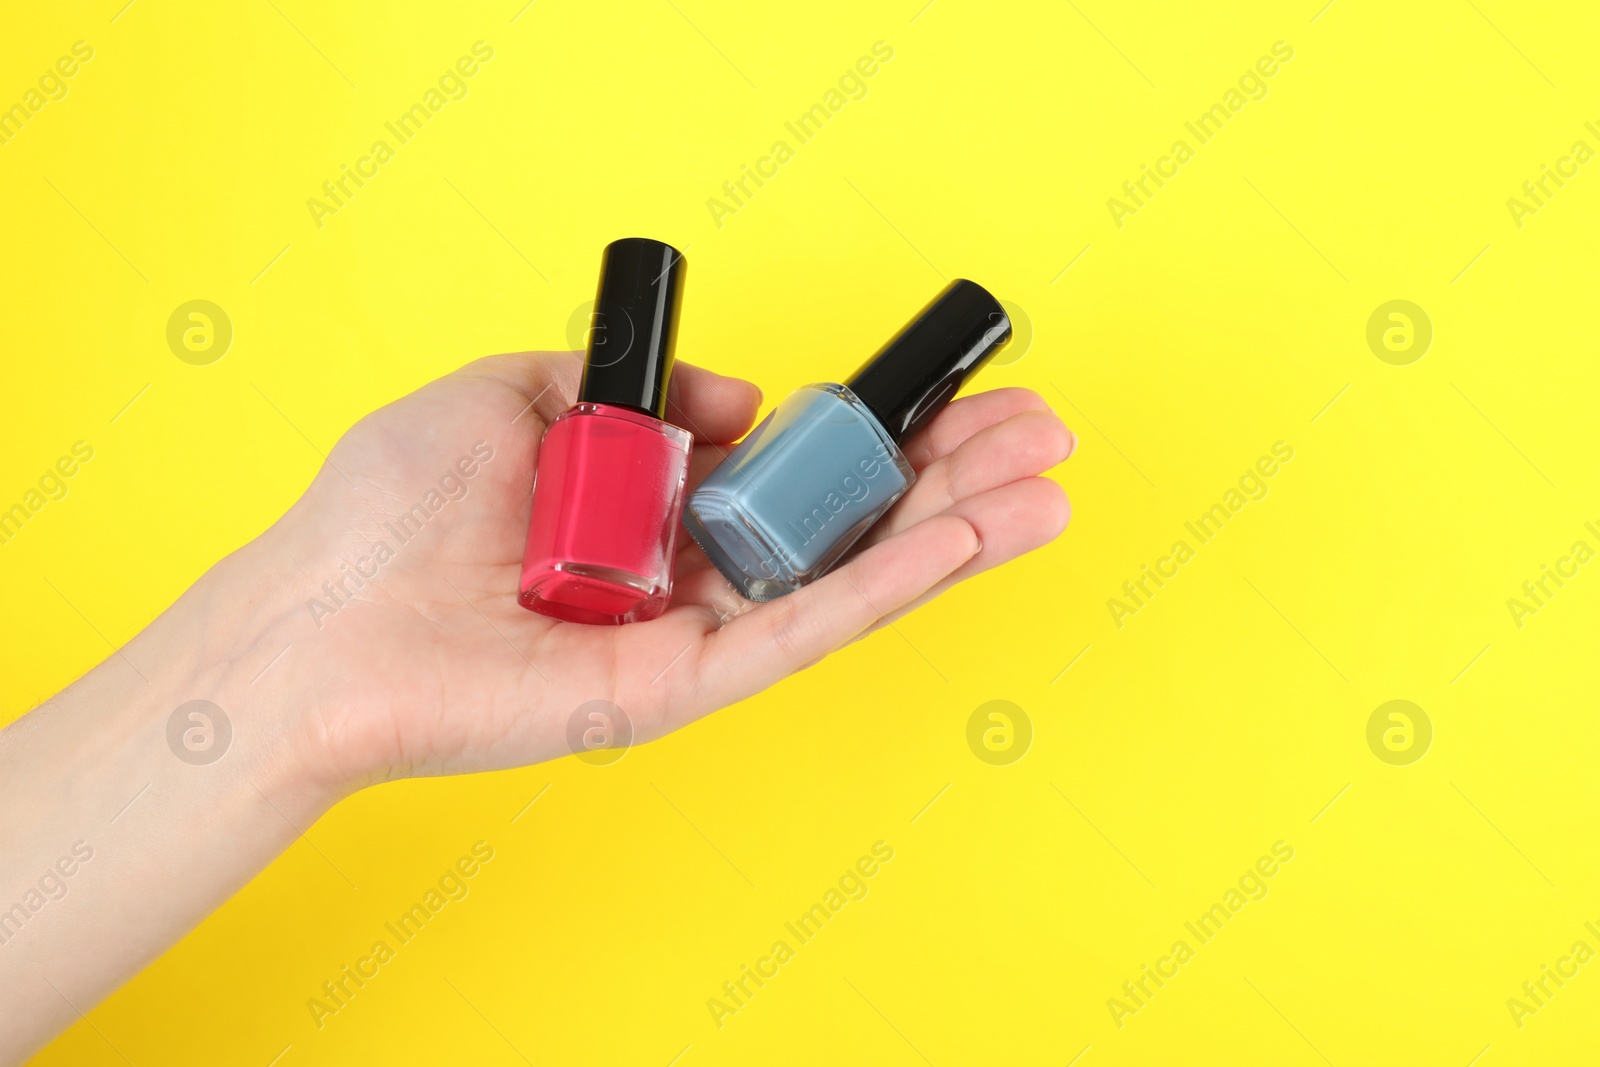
797	492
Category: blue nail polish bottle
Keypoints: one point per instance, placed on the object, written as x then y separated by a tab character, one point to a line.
825	465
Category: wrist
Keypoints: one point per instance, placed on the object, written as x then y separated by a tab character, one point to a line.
234	671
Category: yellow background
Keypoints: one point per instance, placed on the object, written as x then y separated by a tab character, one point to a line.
1224	316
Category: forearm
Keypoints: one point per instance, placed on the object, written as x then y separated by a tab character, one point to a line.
118	839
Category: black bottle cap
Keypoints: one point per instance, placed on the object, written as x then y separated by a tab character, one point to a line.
635	326
923	366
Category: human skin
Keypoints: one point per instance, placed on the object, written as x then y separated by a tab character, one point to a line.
431	667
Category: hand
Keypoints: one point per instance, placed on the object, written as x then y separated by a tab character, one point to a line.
431	666
341	650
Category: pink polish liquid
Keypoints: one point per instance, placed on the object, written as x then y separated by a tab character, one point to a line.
609	487
608	497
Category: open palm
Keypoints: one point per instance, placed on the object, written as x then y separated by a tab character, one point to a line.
419	660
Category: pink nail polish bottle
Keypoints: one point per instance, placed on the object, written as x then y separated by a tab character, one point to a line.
608	492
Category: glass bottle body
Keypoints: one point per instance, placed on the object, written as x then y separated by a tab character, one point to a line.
607	499
798	492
